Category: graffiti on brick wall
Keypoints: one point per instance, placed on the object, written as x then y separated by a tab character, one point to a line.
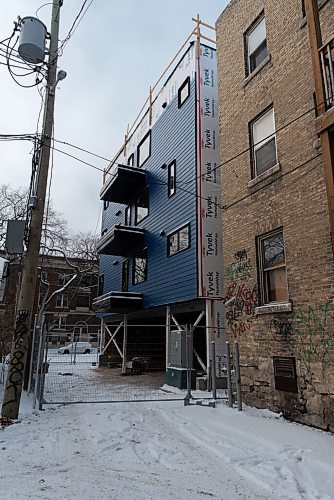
240	268
313	336
240	301
281	330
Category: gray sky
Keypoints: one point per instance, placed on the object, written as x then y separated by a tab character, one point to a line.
117	51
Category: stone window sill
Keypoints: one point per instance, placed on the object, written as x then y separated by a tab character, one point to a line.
268	173
265	61
275	307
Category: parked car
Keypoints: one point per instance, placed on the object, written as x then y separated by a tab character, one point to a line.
76	347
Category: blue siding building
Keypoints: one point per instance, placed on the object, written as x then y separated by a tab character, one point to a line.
160	247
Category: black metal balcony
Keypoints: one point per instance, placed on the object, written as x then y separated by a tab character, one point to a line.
120	240
118	302
122	183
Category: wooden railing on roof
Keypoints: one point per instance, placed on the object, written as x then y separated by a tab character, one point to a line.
154	93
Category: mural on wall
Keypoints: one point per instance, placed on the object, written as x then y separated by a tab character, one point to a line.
241	295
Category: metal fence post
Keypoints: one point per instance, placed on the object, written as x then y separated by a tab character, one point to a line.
213	370
229	378
237	374
188	332
44	368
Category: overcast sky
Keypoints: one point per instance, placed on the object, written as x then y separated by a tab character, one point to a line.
117	51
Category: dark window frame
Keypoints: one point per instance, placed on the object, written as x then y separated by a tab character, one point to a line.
148	135
142	254
127	216
249	69
131	160
186	83
252	145
100	285
171	186
174	233
264	270
60	302
125	275
105	204
85	303
144	192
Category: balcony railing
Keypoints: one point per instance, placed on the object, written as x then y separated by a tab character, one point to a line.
327	65
122	183
120	240
118	302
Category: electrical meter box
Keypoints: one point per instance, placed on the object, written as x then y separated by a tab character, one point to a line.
176	374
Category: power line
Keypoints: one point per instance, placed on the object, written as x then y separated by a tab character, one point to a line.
82	149
75	25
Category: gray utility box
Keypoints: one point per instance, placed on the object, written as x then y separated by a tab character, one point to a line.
178	349
176	374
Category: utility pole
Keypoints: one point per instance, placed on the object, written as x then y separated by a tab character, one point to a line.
23	320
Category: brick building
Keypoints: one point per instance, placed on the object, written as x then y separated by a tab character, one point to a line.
67	313
278	254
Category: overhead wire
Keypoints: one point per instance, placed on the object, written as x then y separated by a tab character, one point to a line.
74	26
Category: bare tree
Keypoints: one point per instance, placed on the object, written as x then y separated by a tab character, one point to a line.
13	206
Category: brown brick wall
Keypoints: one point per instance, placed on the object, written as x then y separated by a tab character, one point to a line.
294	199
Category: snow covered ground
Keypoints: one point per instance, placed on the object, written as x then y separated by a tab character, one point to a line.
162	450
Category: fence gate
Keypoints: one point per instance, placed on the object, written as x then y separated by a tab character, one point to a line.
131	366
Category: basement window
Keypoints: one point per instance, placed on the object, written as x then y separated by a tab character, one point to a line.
285	374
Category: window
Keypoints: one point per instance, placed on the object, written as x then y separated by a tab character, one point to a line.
178	240
101	285
62	300
60	323
125	276
285	374
272	268
140	267
63	279
141	206
171	179
256	45
127	216
184	92
144	149
83	301
131	160
105	204
263	143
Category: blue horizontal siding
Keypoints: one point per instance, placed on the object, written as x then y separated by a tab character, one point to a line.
169	279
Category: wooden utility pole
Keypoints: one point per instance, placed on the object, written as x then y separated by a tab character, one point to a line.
23	320
326	118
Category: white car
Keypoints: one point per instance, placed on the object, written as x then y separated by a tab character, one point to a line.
76	347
